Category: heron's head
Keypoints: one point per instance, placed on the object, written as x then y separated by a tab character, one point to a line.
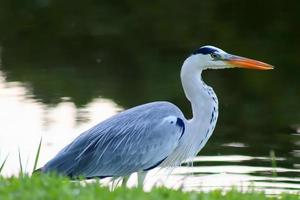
210	57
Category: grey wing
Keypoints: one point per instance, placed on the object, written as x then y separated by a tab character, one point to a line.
134	140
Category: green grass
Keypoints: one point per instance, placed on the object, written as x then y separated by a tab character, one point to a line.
43	186
3	164
37	155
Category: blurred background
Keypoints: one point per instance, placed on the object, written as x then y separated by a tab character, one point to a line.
67	65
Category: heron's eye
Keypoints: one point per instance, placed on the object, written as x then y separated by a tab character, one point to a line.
215	55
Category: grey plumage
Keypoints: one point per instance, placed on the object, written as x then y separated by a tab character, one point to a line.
134	140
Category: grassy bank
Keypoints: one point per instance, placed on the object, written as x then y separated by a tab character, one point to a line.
53	187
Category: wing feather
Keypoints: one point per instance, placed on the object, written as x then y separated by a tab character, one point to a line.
134	140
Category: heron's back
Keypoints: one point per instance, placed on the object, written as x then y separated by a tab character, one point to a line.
133	140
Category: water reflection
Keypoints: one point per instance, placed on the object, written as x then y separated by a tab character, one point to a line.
223	177
24	121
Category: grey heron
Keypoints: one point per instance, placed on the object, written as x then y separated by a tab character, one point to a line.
152	134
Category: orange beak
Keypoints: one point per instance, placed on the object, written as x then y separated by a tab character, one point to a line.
241	62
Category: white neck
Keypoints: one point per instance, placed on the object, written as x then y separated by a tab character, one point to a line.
204	106
205	112
197	92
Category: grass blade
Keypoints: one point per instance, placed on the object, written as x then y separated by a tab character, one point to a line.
2	165
273	163
20	163
37	155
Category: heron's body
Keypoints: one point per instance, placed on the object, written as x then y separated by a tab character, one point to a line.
124	143
152	134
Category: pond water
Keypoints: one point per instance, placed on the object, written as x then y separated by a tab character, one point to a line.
65	68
